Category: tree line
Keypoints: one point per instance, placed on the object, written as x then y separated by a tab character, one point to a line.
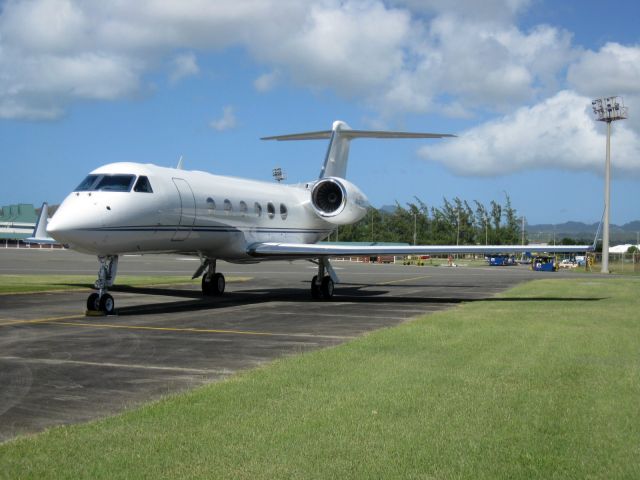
456	222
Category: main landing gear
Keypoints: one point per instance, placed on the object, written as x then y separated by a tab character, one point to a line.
101	301
322	286
212	283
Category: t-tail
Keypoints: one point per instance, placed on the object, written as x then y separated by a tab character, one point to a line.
340	136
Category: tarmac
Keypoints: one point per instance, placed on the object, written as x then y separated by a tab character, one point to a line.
58	366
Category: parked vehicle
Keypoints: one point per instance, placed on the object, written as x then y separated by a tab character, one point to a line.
544	263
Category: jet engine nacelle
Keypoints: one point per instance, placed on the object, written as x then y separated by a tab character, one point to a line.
338	201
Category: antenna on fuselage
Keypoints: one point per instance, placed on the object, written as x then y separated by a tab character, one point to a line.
179	166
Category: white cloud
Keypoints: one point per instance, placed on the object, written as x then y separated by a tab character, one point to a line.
267	81
613	70
346	47
227	121
403	56
183	65
558	133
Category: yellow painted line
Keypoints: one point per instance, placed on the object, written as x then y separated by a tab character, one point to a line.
404	280
40	320
189	330
58	290
57	361
150	285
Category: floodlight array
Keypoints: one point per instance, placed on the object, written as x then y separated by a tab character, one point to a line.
278	174
608	109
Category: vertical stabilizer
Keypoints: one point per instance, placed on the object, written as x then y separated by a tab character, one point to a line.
335	162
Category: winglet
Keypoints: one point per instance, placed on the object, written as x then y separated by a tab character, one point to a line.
40	231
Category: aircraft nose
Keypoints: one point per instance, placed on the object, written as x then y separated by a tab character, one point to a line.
60	225
70	223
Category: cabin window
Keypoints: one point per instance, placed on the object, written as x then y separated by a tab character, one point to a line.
271	210
227	206
115	183
243	207
143	185
283	211
87	183
211	205
257	208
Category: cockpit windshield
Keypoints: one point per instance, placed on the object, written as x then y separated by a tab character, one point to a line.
106	183
87	183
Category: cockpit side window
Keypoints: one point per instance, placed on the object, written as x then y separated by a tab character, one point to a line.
115	183
143	185
87	184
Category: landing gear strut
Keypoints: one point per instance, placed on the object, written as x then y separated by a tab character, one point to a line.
101	301
322	285
212	283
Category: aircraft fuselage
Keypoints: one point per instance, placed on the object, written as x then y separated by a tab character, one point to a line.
183	211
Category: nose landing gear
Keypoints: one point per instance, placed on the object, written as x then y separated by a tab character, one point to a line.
101	301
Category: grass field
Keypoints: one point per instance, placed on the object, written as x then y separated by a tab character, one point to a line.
40	283
541	382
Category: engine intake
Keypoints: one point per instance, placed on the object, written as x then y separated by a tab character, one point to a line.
328	197
338	201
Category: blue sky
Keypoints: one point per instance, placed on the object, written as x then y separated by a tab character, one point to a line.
89	83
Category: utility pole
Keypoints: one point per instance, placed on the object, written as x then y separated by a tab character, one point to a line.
608	109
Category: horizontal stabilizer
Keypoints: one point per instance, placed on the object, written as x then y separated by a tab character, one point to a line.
340	136
351	134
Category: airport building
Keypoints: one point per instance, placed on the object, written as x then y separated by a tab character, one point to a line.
17	223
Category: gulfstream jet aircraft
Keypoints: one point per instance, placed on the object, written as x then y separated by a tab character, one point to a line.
143	208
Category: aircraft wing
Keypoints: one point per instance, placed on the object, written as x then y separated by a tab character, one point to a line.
311	250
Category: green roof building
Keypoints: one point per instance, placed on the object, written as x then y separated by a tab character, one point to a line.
17	221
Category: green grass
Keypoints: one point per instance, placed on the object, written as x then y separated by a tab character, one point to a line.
541	382
40	283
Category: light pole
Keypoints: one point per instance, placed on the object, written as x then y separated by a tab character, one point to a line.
415	227
608	109
486	230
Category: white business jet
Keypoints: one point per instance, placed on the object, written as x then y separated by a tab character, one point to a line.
125	208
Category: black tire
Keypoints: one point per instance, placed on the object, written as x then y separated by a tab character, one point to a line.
207	285
315	288
327	288
218	284
107	304
93	302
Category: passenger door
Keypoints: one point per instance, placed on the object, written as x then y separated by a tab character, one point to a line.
187	209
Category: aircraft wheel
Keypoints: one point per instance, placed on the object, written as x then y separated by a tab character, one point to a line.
327	288
93	302
207	285
107	305
218	284
315	288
